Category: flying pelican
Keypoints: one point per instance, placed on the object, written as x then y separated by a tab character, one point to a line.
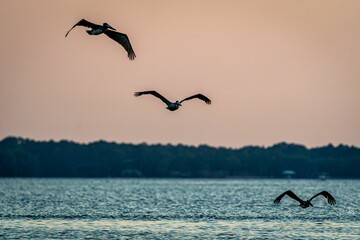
118	37
304	204
172	106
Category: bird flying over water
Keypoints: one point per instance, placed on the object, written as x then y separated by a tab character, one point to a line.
118	37
304	204
172	106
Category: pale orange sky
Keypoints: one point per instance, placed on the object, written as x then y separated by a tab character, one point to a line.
275	70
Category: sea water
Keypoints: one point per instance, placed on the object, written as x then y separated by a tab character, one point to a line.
176	209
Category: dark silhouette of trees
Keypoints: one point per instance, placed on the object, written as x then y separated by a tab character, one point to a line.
21	157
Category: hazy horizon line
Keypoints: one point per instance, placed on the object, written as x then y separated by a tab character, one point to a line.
179	144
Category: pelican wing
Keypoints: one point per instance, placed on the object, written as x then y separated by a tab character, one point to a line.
290	194
199	96
154	93
330	199
84	23
123	40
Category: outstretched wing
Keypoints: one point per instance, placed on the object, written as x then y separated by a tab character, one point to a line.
290	194
330	199
84	23
154	93
123	40
199	96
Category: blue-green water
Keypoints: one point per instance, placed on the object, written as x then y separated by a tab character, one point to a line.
175	209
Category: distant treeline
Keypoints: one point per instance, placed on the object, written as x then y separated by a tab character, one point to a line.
28	158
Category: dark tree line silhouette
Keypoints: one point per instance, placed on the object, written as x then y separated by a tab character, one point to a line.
21	157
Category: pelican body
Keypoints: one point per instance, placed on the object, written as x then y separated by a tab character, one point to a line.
304	204
118	37
172	106
100	29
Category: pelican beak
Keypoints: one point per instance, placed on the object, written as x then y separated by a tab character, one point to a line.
107	26
311	205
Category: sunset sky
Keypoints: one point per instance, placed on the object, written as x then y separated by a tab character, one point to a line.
276	70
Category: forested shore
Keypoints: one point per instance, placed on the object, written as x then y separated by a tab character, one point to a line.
21	157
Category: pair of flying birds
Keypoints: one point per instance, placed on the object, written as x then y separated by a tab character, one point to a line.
124	41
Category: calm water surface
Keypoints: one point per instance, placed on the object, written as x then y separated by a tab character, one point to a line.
175	209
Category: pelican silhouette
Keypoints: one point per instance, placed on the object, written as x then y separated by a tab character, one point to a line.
118	37
172	106
304	204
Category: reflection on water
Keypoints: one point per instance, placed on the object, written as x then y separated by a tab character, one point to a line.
186	209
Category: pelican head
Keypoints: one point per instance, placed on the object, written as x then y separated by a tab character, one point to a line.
106	25
178	103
